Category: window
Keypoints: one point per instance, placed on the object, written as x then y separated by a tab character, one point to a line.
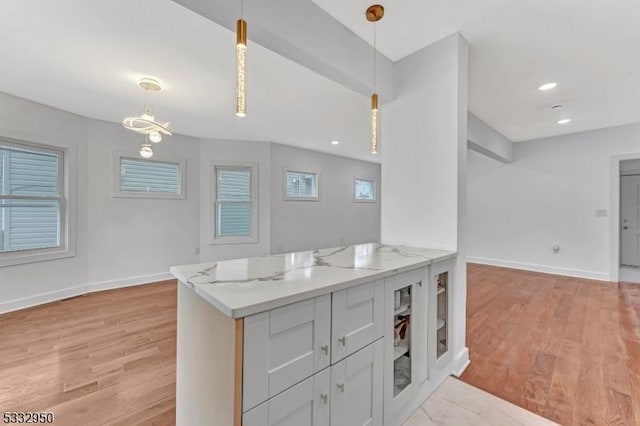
234	203
300	185
364	190
32	202
141	178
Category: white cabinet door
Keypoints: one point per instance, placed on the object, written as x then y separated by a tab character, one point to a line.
284	346
358	318
406	343
440	316
305	404
356	388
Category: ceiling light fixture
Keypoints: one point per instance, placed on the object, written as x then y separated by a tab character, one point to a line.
548	86
241	63
335	142
146	124
146	151
374	13
564	121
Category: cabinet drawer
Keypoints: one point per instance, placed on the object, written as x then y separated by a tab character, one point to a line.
284	346
305	404
356	388
357	318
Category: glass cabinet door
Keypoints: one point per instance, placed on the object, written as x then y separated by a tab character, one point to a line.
442	314
403	302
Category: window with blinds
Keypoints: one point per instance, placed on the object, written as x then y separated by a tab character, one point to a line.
234	203
142	178
31	198
300	185
364	190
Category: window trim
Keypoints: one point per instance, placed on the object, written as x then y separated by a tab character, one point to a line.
182	171
375	191
286	170
66	197
212	219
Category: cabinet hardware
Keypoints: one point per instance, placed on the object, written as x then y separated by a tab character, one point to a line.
341	387
343	341
420	283
325	349
324	397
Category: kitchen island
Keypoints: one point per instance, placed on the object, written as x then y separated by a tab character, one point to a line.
343	336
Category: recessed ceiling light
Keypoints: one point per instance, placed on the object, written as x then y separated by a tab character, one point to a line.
548	86
564	121
335	142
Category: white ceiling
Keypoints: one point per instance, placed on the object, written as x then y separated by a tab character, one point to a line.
590	47
85	57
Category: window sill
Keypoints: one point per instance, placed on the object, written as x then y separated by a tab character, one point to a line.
150	195
232	240
33	256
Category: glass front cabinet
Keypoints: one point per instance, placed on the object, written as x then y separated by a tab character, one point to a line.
440	309
405	339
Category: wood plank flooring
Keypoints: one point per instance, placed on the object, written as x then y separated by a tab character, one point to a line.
565	348
105	358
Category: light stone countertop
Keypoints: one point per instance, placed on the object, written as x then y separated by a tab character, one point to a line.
243	287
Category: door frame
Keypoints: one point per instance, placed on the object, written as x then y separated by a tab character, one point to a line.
614	213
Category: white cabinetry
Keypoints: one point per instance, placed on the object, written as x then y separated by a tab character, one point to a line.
357	318
406	343
440	315
284	346
305	404
356	388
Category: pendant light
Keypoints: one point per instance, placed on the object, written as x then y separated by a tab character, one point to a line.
241	62
145	123
374	14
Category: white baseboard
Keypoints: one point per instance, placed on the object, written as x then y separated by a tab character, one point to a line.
461	362
579	273
128	282
53	296
40	299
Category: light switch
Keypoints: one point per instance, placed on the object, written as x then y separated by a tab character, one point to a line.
602	212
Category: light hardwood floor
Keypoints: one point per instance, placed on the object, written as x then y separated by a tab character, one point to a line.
105	358
565	348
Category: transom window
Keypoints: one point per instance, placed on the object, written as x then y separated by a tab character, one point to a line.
364	190
144	178
300	185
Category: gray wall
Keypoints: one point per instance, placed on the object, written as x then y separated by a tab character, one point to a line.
332	221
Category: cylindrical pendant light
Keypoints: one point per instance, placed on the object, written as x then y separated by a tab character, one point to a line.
374	14
241	63
374	123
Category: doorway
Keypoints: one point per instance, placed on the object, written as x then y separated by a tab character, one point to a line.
630	220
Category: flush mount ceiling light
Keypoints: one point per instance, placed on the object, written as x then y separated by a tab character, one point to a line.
335	142
564	121
374	13
146	124
241	64
548	86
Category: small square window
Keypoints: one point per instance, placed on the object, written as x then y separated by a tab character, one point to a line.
143	178
300	185
364	190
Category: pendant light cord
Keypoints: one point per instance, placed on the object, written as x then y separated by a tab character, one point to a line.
375	54
241	9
